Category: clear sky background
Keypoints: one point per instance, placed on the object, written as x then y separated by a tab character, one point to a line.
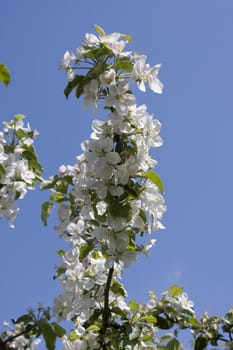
193	41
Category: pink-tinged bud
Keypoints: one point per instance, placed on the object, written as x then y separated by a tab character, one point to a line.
62	170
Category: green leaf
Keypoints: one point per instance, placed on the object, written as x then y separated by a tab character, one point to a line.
132	246
19	117
193	321
48	334
121	313
60	252
163	323
154	177
147	338
127	37
98	69
45	211
76	82
4	75
59	272
133	305
175	290
17	195
94	328
119	210
56	196
117	288
99	30
29	154
2	170
50	183
174	344
73	335
23	319
22	134
58	330
166	337
124	64
35	165
62	186
149	318
143	216
201	342
85	250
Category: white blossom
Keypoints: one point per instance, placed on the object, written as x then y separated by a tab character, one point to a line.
119	98
185	303
91	94
142	72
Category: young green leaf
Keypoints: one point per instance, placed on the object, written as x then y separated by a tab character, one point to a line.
45	211
127	37
154	177
4	75
117	288
73	335
148	318
99	30
56	196
175	290
94	328
124	64
19	117
167	336
193	321
61	252
133	305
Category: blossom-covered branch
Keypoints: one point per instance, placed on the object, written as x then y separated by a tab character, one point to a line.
19	167
110	201
110	204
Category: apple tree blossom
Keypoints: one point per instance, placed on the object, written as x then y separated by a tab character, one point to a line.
110	203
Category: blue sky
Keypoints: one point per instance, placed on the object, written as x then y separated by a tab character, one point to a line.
193	41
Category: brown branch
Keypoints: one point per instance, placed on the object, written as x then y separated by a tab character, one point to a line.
106	309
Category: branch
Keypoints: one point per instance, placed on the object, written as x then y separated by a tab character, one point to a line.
198	329
106	309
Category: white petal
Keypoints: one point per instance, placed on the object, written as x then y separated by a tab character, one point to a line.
141	85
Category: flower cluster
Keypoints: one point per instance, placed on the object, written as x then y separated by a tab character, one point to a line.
115	200
19	168
18	338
